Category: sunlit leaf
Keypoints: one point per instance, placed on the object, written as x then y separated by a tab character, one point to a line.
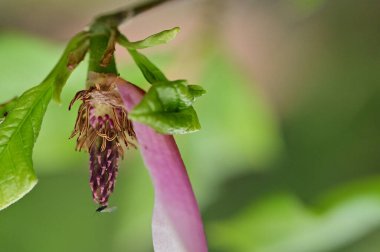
18	134
153	40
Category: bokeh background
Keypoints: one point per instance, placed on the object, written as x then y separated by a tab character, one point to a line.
288	156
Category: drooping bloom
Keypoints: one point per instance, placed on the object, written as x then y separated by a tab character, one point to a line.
177	224
103	128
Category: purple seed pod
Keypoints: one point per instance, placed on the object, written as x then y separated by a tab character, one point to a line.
103	171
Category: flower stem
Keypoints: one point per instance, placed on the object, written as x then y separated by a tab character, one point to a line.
100	43
103	36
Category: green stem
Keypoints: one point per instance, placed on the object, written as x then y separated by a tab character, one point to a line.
102	41
99	43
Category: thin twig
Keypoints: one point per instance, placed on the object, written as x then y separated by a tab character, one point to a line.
114	19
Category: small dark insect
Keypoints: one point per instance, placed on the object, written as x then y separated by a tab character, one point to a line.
6	107
102	126
105	209
101	208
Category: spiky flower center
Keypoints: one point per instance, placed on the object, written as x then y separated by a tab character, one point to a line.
102	126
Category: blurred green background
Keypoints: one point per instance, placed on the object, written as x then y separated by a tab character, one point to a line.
288	156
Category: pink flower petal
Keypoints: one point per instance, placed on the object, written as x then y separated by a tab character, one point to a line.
177	224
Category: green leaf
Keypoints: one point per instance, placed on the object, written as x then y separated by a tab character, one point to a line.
196	90
151	73
153	40
181	122
18	133
20	128
7	106
72	56
167	107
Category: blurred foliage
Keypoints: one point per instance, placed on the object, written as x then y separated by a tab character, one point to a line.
307	7
283	223
306	180
239	130
54	154
22	123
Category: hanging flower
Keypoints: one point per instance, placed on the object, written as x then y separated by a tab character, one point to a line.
177	224
102	127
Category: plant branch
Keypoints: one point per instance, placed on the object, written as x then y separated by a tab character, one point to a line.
102	40
114	19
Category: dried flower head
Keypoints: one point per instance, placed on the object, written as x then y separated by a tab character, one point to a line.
102	127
